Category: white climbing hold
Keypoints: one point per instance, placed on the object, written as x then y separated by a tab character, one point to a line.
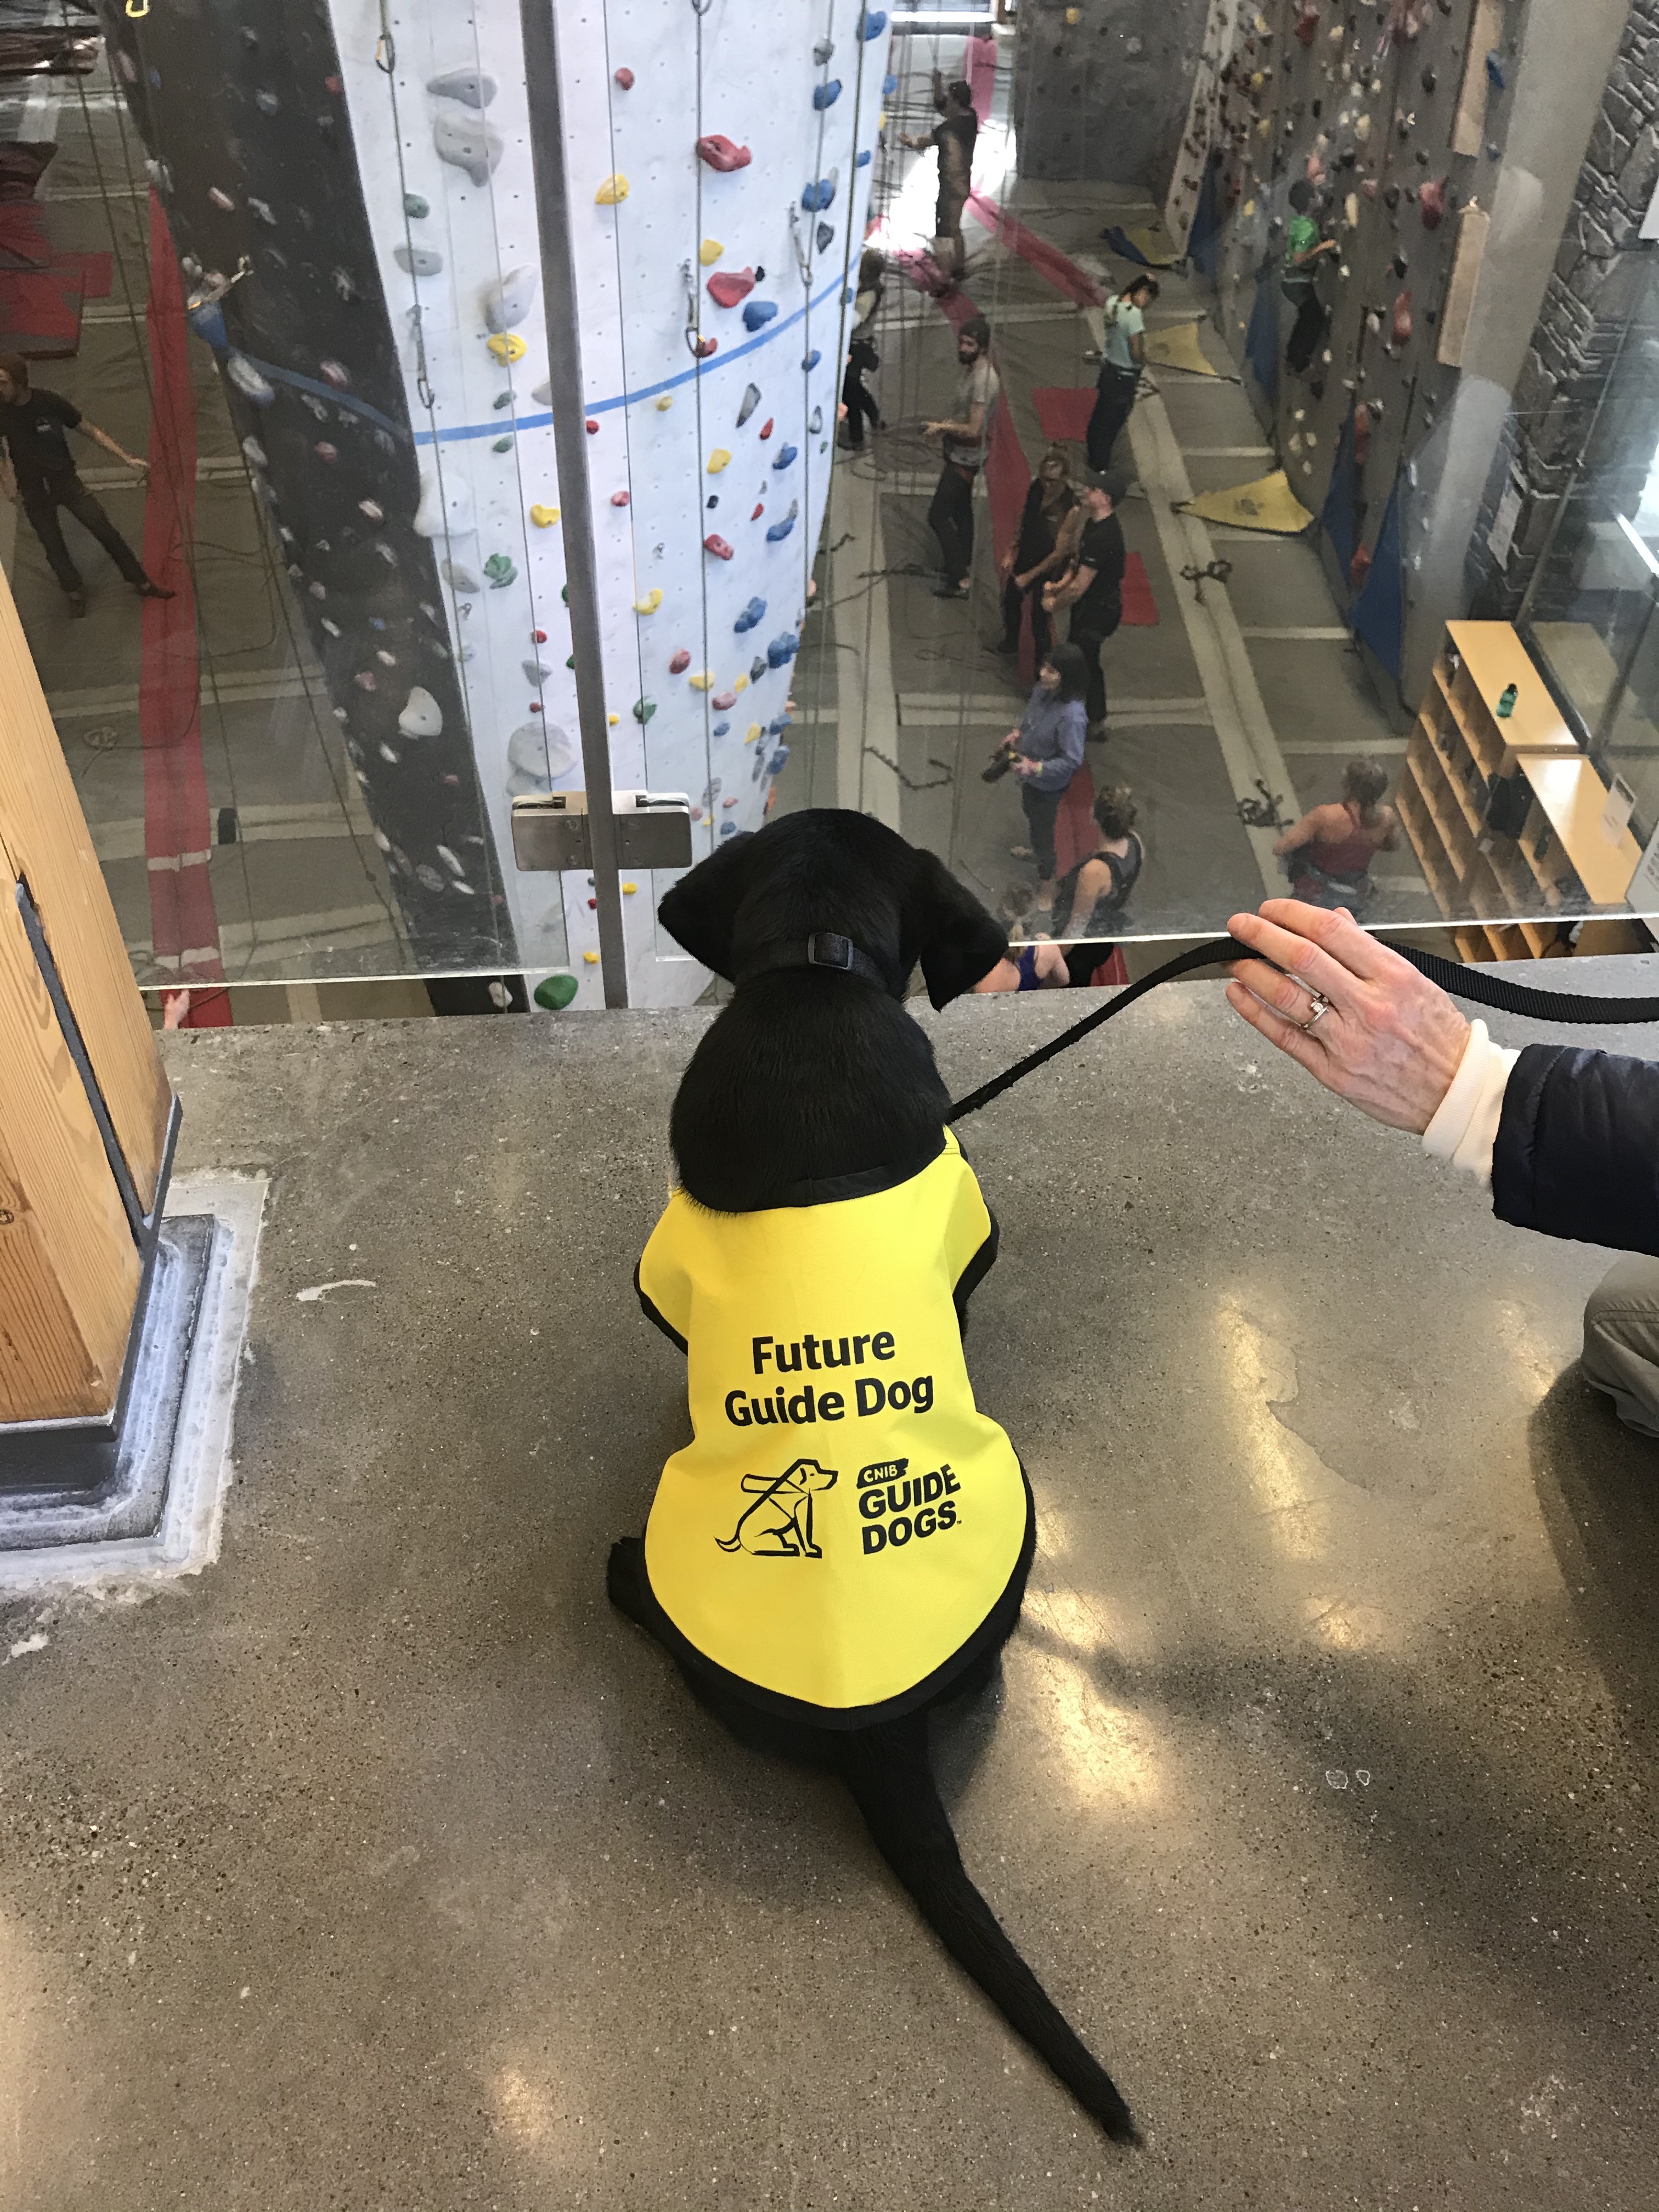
418	260
468	145
445	507
255	453
508	298
542	394
248	380
470	86
538	752
422	716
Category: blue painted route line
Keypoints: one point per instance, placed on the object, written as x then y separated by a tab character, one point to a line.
504	421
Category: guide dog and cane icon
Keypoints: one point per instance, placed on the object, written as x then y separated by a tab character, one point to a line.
779	1524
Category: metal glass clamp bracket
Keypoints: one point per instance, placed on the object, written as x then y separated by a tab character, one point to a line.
552	831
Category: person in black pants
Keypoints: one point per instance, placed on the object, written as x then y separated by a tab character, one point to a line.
1122	358
857	404
967	441
1093	590
1304	249
1048	527
38	473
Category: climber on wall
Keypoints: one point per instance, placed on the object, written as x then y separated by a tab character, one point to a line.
1304	249
38	472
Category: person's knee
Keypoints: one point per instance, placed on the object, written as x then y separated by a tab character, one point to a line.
1621	1339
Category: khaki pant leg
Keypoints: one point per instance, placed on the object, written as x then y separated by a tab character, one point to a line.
1621	1340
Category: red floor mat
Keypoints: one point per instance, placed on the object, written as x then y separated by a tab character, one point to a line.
41	290
1139	607
1063	413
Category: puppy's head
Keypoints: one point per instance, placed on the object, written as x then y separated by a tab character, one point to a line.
829	869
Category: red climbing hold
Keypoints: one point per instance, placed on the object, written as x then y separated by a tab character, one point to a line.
724	702
680	663
718	152
593	428
1401	326
621	498
1307	23
538	636
334	84
1432	200
704	347
718	547
1370	188
756	515
727	286
624	77
1362	434
765	427
1360	566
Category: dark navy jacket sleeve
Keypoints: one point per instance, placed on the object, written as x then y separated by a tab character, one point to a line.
1577	1149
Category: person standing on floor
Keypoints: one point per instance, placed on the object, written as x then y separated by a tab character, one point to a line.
954	136
1092	898
967	441
1122	356
1049	527
38	472
1093	588
1048	752
861	355
1304	249
1328	853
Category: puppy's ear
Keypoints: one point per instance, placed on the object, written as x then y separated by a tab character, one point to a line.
699	912
947	929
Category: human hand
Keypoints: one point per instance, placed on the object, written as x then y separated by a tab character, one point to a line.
1023	767
1390	1042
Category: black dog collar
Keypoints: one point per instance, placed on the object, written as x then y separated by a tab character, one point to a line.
822	950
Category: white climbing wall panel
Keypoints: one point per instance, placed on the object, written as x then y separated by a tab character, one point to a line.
714	295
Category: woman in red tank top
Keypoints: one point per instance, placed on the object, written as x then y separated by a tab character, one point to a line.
1328	852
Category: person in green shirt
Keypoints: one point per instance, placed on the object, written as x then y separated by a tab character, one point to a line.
1122	353
1304	248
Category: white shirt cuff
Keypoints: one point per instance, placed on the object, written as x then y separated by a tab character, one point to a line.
1465	1127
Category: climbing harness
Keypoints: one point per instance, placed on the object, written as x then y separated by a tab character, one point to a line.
1471	983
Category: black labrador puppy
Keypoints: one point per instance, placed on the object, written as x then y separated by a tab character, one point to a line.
845	1542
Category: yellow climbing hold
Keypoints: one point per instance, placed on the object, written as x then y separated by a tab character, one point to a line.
612	189
613	719
754	731
629	889
701	680
506	345
664	403
1248	208
649	604
1074	15
742	683
543	517
1264	126
592	958
710	252
717	460
1258	79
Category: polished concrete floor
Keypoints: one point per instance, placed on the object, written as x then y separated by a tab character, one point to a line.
384	1865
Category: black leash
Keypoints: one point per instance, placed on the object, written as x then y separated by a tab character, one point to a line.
1472	983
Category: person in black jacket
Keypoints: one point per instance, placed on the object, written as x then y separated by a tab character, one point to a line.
1568	1140
1050	525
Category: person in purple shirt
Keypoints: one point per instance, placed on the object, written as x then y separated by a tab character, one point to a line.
1048	752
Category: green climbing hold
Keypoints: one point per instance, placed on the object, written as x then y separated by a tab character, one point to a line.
415	207
643	710
500	571
564	593
501	399
571	662
502	446
553	993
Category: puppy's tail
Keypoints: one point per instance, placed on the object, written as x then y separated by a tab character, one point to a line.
890	1774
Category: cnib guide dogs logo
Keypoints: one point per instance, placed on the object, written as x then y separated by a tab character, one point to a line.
893	1506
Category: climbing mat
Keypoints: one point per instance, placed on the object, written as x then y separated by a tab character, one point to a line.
1145	247
1139	607
1177	346
1064	412
1267	503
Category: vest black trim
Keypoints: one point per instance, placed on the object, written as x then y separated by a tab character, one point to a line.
993	1633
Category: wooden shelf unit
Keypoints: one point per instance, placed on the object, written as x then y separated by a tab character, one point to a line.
1481	879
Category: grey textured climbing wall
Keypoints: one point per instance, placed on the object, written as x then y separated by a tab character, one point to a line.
1598	313
243	116
1101	87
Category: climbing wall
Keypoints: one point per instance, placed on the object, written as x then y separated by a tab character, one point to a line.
368	162
1100	87
1396	116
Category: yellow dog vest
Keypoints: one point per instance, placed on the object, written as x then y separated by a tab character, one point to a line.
845	1518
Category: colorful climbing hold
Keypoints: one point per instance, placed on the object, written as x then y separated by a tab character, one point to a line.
817	196
718	152
751	402
720	729
786	454
324	452
718	460
780	530
826	95
872	23
813	359
765	427
1495	72
679	662
650	602
815	421
863	160
553	993
500	570
742	682
543	517
1431	203
784	647
704	347
757	668
643	710
717	546
758	313
726	286
501	444
1400	326
592	958
754	731
753	613
665	401
611	191
622	498
506	345
592	426
415	208
756	513
701	680
248	380
710	252
624	77
422	716
825	235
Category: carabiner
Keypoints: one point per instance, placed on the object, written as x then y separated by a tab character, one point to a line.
137	9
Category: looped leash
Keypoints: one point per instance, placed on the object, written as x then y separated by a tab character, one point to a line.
1472	983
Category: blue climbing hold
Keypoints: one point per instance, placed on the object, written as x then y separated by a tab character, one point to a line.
1495	70
208	321
889	87
813	359
779	761
863	160
728	828
780	530
757	313
778	725
847	297
872	22
720	728
785	456
826	95
753	613
783	648
817	197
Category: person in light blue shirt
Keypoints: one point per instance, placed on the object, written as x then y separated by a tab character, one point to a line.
1048	752
1121	355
